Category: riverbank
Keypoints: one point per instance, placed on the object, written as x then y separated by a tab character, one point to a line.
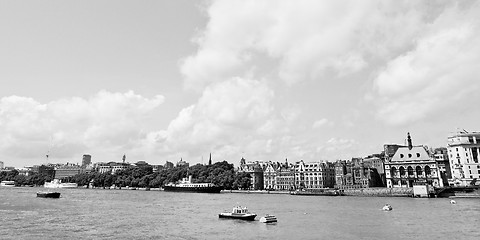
362	192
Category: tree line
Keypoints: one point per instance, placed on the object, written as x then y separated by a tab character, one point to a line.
221	173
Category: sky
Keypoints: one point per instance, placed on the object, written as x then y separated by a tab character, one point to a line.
264	80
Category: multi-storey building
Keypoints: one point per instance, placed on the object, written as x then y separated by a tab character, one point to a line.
110	167
168	165
463	152
67	170
411	165
256	173
315	175
86	160
285	178
356	174
441	157
270	175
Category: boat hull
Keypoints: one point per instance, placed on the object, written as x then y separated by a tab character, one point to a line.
48	194
248	217
215	189
318	193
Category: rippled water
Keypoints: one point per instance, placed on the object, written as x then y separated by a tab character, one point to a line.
126	214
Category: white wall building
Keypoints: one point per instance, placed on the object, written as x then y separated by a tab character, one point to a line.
463	152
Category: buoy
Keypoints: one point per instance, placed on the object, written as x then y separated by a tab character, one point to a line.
387	207
453	201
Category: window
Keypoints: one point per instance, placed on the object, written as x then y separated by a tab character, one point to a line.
409	155
401	155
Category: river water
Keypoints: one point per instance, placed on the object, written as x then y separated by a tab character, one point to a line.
128	214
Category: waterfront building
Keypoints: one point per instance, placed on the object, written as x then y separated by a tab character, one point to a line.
256	173
67	170
377	161
285	177
411	165
356	174
441	157
270	175
314	175
110	167
463	152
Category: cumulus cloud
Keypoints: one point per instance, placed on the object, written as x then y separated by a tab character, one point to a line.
320	123
437	74
68	127
419	55
307	38
228	112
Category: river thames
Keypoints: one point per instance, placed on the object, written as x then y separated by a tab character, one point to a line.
128	214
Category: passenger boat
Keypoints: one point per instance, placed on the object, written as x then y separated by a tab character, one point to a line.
186	185
48	194
268	219
57	183
7	184
238	212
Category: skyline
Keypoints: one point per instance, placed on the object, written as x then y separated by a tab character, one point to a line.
264	80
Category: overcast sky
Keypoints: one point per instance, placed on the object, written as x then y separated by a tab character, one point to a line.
264	80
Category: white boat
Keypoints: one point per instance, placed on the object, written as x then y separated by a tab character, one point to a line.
7	184
238	212
268	219
57	183
387	207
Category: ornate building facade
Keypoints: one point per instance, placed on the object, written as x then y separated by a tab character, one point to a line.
256	173
411	165
314	175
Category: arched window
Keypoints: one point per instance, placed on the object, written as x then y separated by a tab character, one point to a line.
428	171
418	169
410	171
394	171
402	171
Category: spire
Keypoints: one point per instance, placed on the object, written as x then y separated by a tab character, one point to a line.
409	141
123	158
210	159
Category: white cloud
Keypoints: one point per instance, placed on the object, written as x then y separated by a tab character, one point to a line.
438	74
320	123
227	113
308	38
106	122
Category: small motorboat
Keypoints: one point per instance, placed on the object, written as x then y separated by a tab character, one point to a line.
48	194
268	219
238	212
387	207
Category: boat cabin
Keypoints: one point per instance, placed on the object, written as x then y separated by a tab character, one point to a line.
240	210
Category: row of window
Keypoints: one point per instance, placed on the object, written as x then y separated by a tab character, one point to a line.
409	155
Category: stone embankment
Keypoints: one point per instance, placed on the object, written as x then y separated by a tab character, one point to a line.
379	192
361	192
